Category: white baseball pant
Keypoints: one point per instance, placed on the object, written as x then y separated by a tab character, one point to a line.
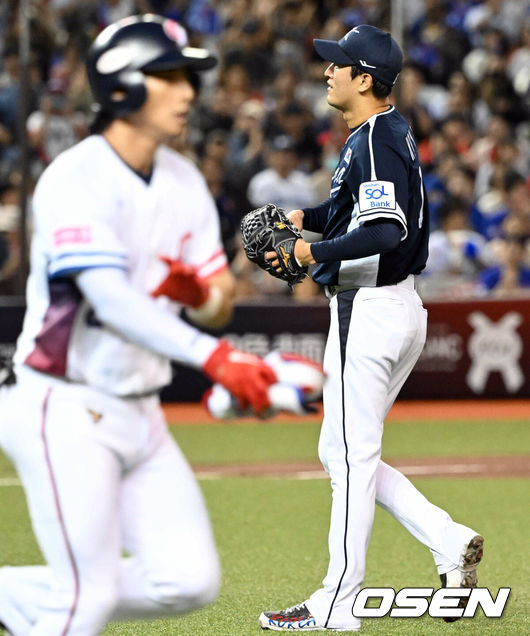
101	474
376	336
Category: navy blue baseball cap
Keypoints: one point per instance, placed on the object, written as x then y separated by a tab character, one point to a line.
371	49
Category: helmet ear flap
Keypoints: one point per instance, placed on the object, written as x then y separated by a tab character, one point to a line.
128	94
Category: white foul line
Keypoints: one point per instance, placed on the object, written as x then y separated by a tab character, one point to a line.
304	475
429	469
6	482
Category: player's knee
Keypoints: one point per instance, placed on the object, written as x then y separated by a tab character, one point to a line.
195	590
204	587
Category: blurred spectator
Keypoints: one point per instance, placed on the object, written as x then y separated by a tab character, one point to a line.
111	10
10	104
465	89
330	140
461	94
484	153
235	79
55	126
292	20
410	105
292	24
281	182
252	52
437	47
321	178
517	197
498	95
9	231
203	17
518	64
229	215
459	133
512	274
460	183
282	88
295	121
508	195
246	148
246	140
217	114
504	15
456	252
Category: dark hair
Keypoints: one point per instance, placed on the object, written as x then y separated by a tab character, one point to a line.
511	179
452	204
379	89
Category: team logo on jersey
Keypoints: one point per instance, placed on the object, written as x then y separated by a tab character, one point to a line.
96	417
347	156
377	194
82	234
175	32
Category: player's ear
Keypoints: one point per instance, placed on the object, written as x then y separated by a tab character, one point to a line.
366	83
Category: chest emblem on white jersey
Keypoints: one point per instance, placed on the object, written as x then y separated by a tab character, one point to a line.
377	194
96	417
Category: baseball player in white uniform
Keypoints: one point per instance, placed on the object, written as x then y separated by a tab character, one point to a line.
125	233
375	228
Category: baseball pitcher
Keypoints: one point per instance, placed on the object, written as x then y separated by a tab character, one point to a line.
375	228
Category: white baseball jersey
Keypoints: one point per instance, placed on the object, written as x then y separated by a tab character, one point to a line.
93	210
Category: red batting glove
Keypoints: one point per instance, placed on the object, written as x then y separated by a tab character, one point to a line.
246	376
182	284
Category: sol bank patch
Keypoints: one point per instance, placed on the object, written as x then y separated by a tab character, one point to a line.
377	194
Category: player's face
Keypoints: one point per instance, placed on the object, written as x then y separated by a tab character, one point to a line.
169	97
339	86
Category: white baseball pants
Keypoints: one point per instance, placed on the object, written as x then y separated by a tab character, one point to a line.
101	474
376	336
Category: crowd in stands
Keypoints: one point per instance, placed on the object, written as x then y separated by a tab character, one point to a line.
262	130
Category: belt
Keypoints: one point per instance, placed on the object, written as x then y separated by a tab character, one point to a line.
333	290
25	371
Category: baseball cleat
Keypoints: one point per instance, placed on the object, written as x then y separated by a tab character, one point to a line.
466	574
296	618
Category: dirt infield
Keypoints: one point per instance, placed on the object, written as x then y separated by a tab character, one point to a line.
495	466
186	413
502	466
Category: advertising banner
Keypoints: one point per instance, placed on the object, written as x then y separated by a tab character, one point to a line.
478	349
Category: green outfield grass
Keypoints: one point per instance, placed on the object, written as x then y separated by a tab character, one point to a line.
272	533
252	442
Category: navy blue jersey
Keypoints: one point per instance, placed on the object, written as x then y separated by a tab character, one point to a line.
378	178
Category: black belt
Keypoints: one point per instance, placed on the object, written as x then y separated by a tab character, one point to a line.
333	290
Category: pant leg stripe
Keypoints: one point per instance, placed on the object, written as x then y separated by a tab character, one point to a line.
60	516
344	310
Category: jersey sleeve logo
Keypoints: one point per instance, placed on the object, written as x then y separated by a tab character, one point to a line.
81	234
377	194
